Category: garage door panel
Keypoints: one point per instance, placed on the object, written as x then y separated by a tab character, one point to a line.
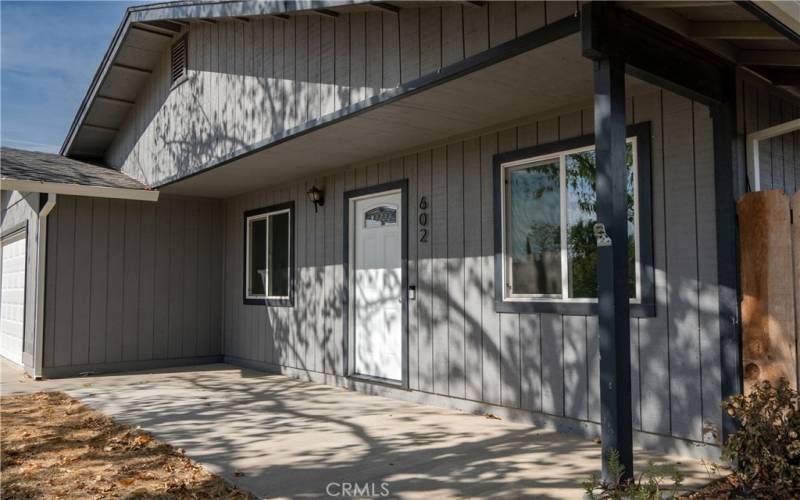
12	298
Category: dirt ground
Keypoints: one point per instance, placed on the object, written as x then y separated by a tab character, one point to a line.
52	446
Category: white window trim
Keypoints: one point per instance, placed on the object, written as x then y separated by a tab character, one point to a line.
754	138
248	285
507	283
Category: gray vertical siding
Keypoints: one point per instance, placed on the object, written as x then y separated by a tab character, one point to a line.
249	81
132	284
759	106
459	347
21	210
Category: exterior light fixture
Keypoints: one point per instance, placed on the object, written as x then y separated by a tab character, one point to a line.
316	196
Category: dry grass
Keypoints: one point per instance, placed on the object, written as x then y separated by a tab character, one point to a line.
55	447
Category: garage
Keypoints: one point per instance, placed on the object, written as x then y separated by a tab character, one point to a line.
12	296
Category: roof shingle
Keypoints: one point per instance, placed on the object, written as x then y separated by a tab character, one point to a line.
19	164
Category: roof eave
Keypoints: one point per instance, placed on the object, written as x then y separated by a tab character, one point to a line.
31	186
183	10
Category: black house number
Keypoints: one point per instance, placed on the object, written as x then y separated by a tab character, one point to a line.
423	220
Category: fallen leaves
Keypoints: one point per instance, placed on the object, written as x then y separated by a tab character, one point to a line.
53	446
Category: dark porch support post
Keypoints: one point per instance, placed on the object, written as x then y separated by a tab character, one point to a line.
612	266
725	190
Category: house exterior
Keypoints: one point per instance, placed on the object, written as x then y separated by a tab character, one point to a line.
453	150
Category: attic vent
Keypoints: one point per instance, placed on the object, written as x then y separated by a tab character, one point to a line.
179	62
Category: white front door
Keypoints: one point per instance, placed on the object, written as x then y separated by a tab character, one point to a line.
12	298
377	295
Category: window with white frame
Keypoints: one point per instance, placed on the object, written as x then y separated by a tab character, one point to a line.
547	205
268	259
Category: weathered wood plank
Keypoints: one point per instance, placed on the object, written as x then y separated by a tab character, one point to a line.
81	305
452	34
653	332
162	272
530	16
576	376
99	280
409	164
327	67
768	294
708	298
328	263
430	26
190	291
289	74
391	51
409	44
439	306
476	29
337	300
205	266
116	259
502	22
425	288
491	355
681	238
455	270
374	53
472	270
314	67
130	282
301	68
556	10
342	64
358	57
176	270
64	281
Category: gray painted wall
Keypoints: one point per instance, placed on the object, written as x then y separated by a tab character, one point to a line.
459	346
132	284
19	209
248	81
761	105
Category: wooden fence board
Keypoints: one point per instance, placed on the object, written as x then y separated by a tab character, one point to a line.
768	323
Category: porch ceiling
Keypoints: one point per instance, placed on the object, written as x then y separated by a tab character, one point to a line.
547	78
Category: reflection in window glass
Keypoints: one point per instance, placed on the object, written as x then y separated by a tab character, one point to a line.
581	217
380	216
258	256
534	234
279	255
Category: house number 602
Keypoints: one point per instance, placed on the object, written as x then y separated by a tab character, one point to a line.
423	220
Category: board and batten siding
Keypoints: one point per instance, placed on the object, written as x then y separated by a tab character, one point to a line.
761	105
132	284
459	347
21	211
249	81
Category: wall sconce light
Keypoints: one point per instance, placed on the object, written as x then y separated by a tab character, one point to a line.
316	196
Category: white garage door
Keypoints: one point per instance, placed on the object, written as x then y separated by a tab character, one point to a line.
12	301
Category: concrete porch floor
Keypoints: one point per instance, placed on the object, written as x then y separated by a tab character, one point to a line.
291	438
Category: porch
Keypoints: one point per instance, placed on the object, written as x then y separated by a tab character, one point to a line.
281	437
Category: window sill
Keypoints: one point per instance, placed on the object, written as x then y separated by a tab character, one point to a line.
638	310
287	302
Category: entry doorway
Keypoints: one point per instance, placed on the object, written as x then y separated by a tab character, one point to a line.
377	286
